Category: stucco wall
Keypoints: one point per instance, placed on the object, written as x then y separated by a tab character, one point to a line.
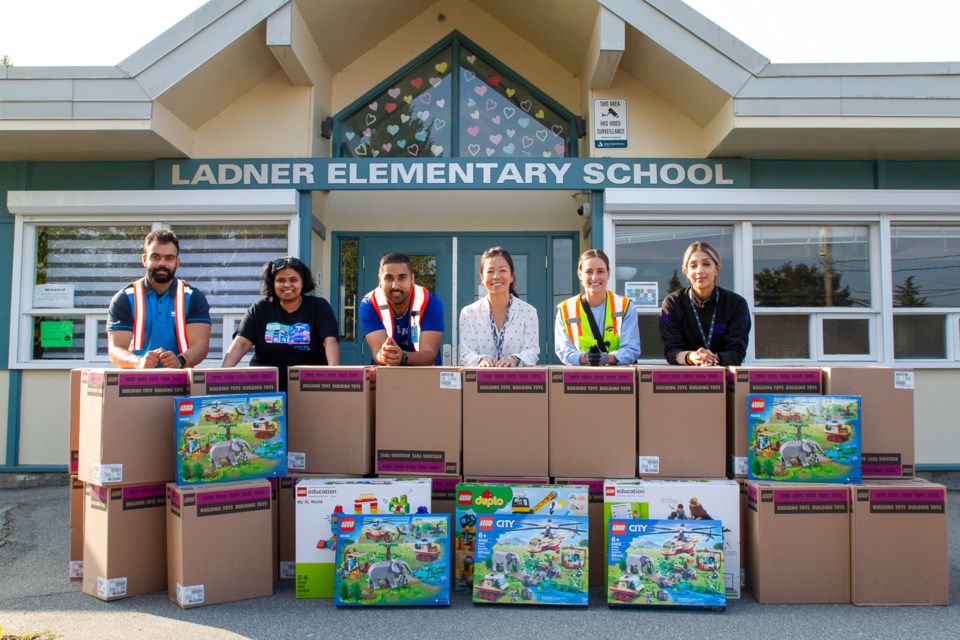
45	417
937	420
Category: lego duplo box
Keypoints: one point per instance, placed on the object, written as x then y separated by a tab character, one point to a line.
665	564
220	541
76	528
681	422
124	541
593	422
76	377
230	438
798	543
515	443
126	422
899	543
227	381
419	420
688	501
886	406
320	504
532	559
743	381
595	512
393	561
331	419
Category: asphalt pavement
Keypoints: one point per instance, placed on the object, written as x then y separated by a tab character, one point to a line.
36	596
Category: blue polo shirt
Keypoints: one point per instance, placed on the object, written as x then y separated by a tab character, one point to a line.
159	326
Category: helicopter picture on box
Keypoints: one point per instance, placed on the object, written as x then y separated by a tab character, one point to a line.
531	559
230	437
393	560
665	563
804	438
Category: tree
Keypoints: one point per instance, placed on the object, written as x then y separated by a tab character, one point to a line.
908	295
799	285
674	283
5	61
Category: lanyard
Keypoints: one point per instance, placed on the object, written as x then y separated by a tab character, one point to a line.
708	338
594	329
498	336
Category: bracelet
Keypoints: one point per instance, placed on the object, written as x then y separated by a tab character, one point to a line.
403	359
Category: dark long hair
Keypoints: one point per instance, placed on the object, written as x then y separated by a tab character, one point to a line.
271	268
495	252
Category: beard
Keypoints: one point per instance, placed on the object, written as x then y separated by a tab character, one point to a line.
160	275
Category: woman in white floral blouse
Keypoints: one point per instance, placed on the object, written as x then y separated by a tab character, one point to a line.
500	329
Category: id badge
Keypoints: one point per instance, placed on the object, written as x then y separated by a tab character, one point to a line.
415	333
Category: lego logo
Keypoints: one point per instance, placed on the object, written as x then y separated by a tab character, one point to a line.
486	523
464	498
186	408
301	492
610	491
618	528
348	525
758	404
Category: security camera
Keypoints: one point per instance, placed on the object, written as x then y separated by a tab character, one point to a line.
584	209
580	210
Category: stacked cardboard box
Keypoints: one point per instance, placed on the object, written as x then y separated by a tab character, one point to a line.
218	382
76	528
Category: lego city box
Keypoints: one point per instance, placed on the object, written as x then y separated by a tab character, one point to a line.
595	512
124	541
229	438
393	560
886	403
331	419
126	421
665	563
75	568
219	542
798	543
681	422
527	558
804	438
419	420
73	464
321	502
515	443
899	543
689	501
233	380
593	422
743	381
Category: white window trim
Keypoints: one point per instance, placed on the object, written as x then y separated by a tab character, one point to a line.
155	208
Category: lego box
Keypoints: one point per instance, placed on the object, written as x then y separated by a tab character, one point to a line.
597	535
321	502
665	563
532	559
393	560
804	438
230	438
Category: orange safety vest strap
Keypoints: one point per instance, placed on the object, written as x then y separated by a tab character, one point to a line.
570	314
417	307
179	315
139	312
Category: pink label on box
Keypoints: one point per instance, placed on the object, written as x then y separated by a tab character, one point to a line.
332	375
153	380
240	376
511	377
688	376
598	377
595	487
751	492
905	495
175	498
801	376
410	466
144	491
232	495
444	484
810	495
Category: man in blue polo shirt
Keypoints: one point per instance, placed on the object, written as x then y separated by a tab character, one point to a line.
159	320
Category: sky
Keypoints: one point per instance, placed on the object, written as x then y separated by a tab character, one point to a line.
105	32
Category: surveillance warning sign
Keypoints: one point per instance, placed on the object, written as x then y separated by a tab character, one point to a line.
610	123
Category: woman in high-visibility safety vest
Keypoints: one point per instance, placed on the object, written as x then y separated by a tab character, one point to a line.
597	327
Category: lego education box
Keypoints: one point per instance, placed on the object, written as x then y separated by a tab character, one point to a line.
665	563
330	419
321	502
687	501
393	560
531	559
804	438
231	437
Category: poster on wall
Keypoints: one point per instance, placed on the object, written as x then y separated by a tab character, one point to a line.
610	123
643	294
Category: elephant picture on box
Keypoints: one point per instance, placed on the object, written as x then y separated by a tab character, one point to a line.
234	451
639	564
505	561
394	572
806	452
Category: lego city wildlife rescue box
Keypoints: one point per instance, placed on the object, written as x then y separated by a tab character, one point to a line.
665	563
476	499
531	559
321	502
804	438
393	560
230	437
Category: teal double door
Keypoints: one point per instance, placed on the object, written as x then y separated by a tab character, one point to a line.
449	265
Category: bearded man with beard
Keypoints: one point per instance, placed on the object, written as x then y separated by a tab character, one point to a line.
159	320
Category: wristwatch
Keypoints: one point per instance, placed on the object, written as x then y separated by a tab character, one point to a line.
403	359
183	361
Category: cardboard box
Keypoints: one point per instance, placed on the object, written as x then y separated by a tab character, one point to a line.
231	437
219	539
804	438
73	464
886	405
688	501
515	443
417	573
443	496
798	543
331	419
532	559
419	420
741	382
899	543
597	536
593	422
681	422
320	504
126	421
76	529
226	381
124	541
665	564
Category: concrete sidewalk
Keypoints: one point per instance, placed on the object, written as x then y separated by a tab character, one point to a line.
36	596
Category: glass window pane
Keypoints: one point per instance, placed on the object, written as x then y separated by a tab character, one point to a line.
846	336
651	347
811	266
781	336
520	272
349	263
58	337
919	337
925	262
425	270
563	271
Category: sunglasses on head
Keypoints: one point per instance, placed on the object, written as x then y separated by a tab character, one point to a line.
286	261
